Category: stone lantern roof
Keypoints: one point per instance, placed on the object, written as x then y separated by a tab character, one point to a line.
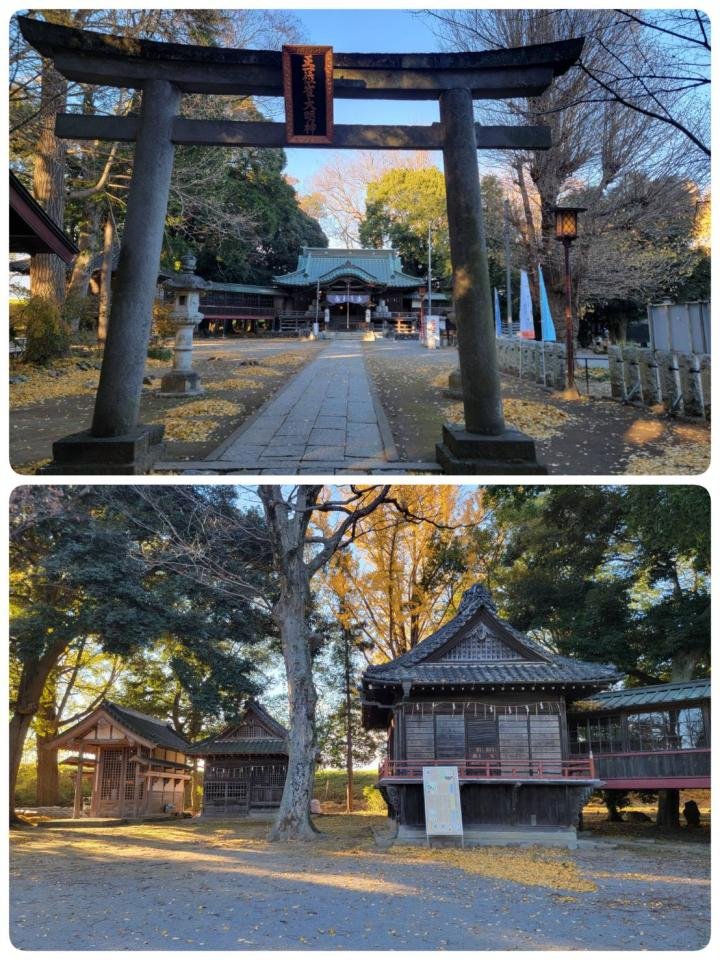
186	278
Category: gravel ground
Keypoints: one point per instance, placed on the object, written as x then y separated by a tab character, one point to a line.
573	436
137	888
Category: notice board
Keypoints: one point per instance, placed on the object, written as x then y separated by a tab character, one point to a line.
443	814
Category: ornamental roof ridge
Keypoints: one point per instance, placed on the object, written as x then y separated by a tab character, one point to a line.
418	662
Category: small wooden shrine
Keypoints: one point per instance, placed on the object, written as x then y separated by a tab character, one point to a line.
480	695
245	765
138	764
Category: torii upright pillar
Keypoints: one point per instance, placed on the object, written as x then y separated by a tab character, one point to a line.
116	443
483	444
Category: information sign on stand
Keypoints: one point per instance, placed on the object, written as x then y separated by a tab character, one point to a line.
443	814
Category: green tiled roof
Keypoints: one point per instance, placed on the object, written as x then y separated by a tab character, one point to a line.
244	745
243	288
649	696
382	267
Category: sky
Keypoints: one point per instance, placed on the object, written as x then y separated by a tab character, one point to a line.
364	31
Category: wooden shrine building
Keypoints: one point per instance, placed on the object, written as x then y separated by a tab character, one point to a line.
137	764
350	282
245	765
479	695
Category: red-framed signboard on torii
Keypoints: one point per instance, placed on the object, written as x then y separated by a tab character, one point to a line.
307	74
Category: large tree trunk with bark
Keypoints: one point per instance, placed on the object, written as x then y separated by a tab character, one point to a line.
33	677
293	819
105	299
47	271
47	782
668	811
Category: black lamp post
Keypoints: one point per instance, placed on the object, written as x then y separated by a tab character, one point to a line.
566	221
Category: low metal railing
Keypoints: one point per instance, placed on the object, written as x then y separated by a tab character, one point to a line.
494	769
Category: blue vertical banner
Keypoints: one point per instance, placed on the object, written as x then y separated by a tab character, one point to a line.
546	320
527	328
498	321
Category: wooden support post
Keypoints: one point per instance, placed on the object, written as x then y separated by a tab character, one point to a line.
77	805
123	781
483	444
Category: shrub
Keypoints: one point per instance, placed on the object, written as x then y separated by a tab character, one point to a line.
159	353
162	326
48	336
80	312
374	801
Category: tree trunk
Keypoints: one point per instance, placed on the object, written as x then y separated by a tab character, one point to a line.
47	783
33	676
88	241
47	271
293	818
668	811
47	787
106	278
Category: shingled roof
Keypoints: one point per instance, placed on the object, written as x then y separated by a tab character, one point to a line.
147	727
229	741
529	661
324	265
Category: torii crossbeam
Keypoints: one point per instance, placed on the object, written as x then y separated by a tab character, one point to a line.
116	442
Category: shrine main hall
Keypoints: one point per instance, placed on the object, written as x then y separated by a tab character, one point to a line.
339	288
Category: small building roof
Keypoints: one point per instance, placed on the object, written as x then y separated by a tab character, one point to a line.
243	288
147	727
142	725
326	264
660	693
233	739
527	662
32	229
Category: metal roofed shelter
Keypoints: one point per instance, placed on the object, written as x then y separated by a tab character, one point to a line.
480	695
139	764
646	738
245	765
116	442
350	281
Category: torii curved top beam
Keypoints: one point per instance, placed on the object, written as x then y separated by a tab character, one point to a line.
88	57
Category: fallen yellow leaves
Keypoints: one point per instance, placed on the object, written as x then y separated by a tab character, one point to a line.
529	866
197	420
540	420
63	379
644	431
685	448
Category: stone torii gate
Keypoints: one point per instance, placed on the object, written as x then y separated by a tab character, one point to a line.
116	442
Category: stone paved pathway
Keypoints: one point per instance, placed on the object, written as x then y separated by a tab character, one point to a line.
327	420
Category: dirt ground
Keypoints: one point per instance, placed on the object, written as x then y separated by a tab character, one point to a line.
199	885
574	436
238	376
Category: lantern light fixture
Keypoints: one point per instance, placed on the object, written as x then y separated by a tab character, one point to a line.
566	222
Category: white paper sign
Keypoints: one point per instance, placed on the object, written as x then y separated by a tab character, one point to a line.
443	814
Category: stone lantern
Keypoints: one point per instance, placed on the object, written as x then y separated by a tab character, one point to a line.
182	380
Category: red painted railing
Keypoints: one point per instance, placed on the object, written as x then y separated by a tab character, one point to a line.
576	769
